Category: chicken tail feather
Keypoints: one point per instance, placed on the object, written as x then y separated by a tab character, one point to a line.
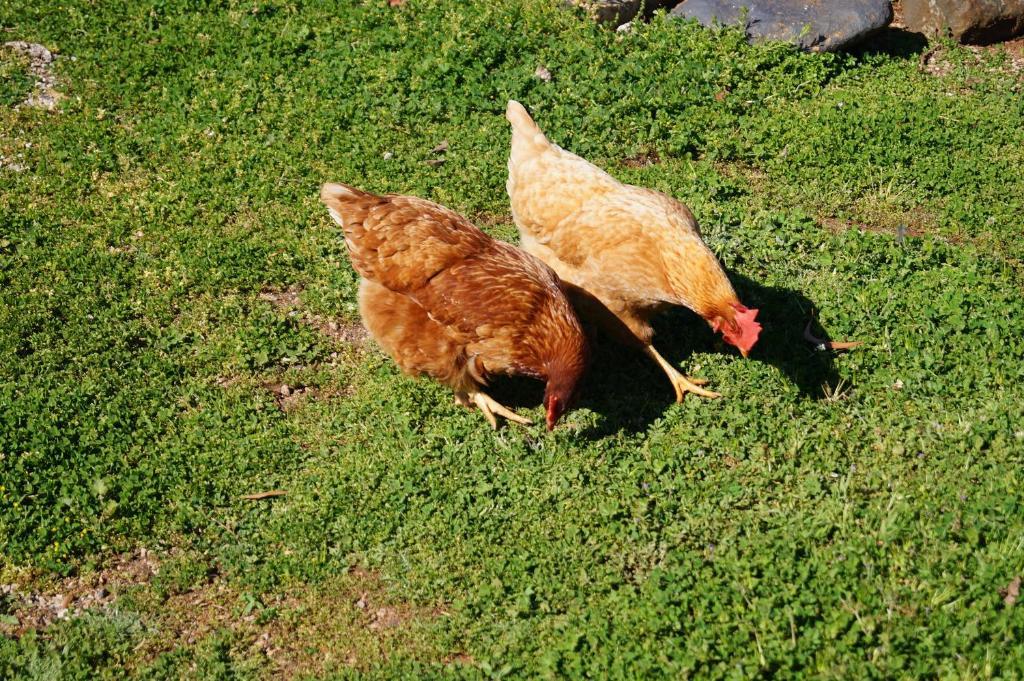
337	196
523	127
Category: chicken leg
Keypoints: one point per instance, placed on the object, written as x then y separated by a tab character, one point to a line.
681	383
489	407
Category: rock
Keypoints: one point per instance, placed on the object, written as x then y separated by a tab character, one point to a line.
39	55
969	21
610	11
830	24
40	62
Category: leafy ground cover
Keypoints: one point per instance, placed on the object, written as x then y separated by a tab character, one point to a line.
179	330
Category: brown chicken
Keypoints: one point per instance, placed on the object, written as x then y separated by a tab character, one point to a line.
626	251
448	301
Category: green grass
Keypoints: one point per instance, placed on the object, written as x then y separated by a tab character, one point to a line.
15	79
846	517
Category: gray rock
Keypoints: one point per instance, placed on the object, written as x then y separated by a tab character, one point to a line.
40	62
39	55
816	25
969	21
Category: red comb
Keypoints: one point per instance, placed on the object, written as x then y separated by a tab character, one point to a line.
747	329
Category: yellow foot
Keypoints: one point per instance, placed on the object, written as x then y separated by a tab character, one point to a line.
685	384
682	384
489	407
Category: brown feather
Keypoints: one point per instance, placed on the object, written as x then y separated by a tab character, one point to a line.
446	300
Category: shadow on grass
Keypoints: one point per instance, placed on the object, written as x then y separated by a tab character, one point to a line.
894	42
630	392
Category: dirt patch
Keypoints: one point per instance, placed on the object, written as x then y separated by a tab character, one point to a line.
345	332
310	630
351	622
837	225
29	609
15	162
186	618
936	61
288	397
642	160
40	64
1014	50
288	300
228	381
291	394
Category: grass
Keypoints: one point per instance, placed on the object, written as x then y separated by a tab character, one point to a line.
15	81
848	516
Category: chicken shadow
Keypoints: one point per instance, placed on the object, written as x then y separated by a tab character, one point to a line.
630	392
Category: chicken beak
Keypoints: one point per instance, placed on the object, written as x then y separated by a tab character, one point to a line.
744	352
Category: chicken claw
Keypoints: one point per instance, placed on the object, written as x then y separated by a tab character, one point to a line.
490	407
681	383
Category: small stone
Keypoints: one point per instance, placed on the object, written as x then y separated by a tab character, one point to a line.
898	385
285	390
543	74
625	28
388	156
